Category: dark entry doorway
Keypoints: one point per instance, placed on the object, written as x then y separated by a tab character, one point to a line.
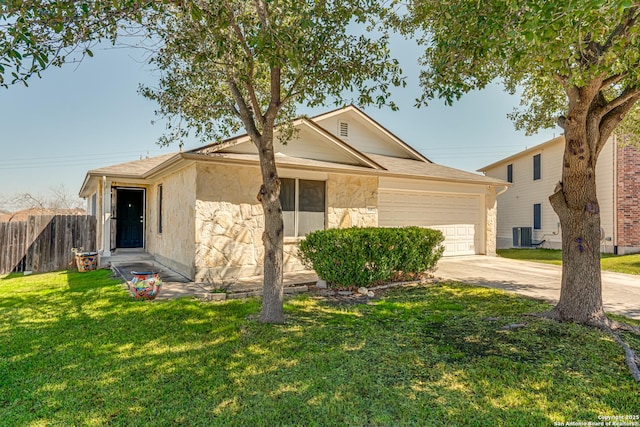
130	218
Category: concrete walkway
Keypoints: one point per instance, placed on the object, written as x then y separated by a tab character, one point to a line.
174	285
620	292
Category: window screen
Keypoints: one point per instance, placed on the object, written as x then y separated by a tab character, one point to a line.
288	202
288	194
303	206
510	173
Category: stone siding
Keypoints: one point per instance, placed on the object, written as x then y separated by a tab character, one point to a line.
628	203
491	209
229	223
352	201
229	220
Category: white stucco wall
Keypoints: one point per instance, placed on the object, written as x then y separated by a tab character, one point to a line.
175	246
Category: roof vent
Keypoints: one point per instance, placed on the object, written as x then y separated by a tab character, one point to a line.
343	129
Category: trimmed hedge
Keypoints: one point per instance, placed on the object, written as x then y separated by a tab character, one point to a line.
364	256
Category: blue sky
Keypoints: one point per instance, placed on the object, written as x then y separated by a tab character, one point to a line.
88	115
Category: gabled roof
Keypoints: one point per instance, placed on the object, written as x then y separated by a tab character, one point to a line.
528	151
338	151
352	109
324	151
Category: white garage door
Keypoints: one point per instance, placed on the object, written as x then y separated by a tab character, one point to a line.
458	217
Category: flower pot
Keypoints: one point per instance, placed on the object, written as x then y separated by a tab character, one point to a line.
86	261
145	285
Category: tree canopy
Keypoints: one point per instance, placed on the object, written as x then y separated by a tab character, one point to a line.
547	49
37	34
217	60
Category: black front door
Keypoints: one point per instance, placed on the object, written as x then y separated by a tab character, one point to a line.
130	219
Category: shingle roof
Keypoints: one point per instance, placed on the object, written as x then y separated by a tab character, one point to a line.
392	166
281	160
408	167
552	141
136	168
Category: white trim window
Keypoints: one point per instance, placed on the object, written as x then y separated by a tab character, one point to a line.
303	206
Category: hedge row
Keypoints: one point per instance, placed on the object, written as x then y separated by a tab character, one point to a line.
364	256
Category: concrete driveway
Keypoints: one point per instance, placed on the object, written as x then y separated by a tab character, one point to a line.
620	292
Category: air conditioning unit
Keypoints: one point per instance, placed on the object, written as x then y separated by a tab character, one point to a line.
522	236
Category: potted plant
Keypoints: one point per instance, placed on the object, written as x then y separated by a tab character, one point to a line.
145	284
85	261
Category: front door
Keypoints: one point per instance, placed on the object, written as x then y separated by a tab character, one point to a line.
130	219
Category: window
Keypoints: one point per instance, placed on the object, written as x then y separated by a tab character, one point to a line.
160	209
536	167
94	205
510	173
303	206
537	216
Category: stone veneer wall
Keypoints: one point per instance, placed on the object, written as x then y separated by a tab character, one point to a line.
352	201
229	219
628	203
229	223
491	209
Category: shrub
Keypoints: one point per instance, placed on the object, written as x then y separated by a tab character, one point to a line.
363	256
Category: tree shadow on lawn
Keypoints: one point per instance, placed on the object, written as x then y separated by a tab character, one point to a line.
421	355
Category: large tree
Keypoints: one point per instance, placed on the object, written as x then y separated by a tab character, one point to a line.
239	64
577	64
226	65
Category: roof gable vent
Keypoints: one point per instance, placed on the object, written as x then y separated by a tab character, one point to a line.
343	129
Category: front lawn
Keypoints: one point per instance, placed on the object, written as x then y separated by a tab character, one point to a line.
629	264
76	350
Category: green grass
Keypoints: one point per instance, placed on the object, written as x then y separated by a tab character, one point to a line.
629	264
75	350
547	256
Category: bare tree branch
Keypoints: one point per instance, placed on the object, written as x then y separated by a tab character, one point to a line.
627	94
613	80
245	113
615	116
249	86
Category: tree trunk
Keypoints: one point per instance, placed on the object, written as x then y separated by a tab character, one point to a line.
273	236
577	207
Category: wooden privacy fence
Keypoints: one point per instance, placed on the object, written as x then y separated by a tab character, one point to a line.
44	242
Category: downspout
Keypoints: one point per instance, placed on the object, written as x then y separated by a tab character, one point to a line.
504	189
615	194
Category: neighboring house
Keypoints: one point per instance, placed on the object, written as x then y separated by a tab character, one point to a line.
197	211
525	209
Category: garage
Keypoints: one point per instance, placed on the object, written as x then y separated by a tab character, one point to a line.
457	216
